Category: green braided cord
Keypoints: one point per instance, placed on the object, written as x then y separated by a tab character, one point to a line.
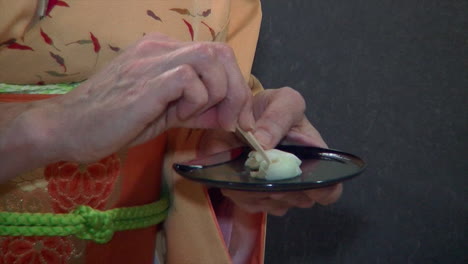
61	88
84	222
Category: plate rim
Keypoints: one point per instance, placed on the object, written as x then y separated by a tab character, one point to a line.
268	186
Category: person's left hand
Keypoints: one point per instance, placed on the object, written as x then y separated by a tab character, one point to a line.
279	115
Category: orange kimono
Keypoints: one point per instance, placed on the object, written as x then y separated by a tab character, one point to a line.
72	41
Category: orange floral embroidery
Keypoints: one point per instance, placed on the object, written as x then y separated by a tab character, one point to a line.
71	184
35	250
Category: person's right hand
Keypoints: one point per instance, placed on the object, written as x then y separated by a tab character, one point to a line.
156	84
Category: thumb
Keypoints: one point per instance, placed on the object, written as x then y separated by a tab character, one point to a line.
305	134
269	133
282	110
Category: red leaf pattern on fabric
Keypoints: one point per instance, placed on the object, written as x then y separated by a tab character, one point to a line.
8	42
182	11
50	6
56	74
47	39
97	46
153	15
19	46
213	33
62	3
190	28
205	13
80	42
52	3
59	60
116	49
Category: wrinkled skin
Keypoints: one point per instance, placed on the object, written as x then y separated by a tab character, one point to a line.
155	85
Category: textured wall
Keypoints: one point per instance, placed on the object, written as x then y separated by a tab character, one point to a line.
386	80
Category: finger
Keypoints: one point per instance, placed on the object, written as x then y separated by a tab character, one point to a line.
274	207
168	100
149	104
278	211
249	197
156	44
185	92
179	87
255	202
238	92
236	106
305	134
333	196
246	119
283	109
215	66
215	141
202	58
294	199
251	207
271	207
327	195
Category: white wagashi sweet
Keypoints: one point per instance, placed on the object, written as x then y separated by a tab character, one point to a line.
284	165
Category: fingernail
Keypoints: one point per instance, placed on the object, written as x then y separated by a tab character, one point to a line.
247	121
263	137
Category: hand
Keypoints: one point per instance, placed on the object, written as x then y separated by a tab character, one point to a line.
279	203
156	84
280	117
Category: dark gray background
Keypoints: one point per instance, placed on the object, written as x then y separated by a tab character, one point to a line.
385	80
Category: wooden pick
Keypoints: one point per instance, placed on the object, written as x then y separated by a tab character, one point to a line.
252	141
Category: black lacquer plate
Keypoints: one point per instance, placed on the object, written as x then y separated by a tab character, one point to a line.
320	168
